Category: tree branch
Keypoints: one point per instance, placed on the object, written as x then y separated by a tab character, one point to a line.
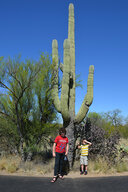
5	86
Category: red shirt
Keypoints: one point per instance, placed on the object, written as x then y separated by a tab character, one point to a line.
61	143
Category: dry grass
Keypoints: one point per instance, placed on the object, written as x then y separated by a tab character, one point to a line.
94	167
9	164
123	142
100	166
13	164
122	166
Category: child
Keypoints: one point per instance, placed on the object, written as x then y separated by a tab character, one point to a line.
84	155
60	150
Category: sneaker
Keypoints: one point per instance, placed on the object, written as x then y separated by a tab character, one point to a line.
81	173
85	173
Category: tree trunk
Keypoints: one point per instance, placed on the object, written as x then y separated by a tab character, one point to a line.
22	149
20	134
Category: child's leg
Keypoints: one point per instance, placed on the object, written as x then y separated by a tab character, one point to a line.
86	167
61	163
57	164
86	172
82	167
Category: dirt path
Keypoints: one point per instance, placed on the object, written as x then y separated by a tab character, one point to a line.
70	175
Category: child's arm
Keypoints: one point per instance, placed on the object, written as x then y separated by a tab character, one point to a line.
67	147
54	147
78	146
89	143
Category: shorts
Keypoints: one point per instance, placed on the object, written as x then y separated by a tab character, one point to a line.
83	160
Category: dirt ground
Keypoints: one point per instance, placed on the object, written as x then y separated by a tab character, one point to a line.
70	175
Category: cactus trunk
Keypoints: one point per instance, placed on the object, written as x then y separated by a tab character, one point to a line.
71	37
66	104
71	137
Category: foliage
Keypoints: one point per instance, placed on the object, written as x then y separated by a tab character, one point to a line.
103	144
9	139
25	100
111	121
123	130
114	117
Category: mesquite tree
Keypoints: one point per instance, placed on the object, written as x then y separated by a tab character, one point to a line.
25	104
66	104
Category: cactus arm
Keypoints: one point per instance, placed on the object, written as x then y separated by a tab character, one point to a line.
55	96
65	82
88	97
71	37
66	106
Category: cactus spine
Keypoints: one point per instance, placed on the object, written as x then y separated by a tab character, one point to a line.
66	104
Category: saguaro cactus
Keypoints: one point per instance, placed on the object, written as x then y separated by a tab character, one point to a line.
66	104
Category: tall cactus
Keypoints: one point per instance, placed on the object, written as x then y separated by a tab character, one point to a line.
66	104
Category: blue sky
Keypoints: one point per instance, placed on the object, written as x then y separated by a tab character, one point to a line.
101	38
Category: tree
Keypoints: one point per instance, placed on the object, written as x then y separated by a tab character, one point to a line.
43	113
114	117
111	121
26	100
16	80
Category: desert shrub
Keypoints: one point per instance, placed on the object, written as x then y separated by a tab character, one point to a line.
9	140
9	163
2	164
103	144
12	168
123	130
121	166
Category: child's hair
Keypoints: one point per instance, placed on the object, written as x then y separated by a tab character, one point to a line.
62	130
83	139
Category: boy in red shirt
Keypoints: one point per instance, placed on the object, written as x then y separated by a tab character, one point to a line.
60	150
